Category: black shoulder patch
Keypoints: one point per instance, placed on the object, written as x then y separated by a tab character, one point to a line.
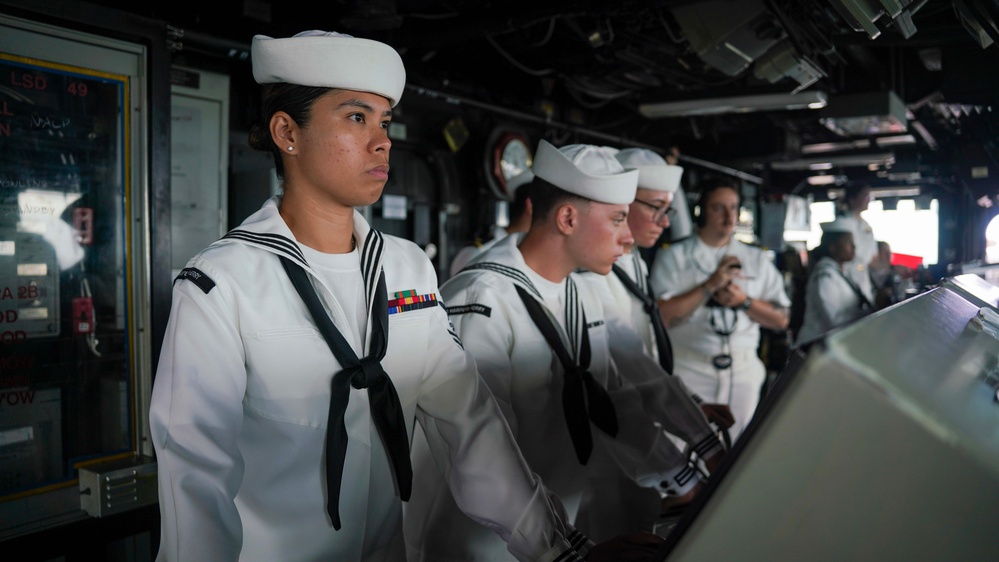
595	324
470	309
194	274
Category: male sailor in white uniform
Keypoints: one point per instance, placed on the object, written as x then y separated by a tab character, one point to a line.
539	338
714	293
648	216
613	502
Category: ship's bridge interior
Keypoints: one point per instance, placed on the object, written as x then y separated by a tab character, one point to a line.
123	153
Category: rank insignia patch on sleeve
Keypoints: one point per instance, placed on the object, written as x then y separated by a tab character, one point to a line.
404	301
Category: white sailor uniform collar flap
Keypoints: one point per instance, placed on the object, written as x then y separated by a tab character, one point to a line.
266	230
636	269
505	259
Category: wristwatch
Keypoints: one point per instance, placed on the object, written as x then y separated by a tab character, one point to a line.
746	303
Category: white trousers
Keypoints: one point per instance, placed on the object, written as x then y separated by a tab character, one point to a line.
738	386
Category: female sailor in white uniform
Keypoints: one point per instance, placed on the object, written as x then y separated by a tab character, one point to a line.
303	347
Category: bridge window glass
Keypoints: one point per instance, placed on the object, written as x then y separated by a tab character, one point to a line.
992	241
908	229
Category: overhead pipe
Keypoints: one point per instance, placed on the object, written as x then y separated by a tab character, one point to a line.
459	100
185	39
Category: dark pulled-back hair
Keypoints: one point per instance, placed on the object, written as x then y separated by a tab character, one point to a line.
546	196
293	99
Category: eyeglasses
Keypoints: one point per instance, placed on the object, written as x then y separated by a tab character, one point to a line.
658	212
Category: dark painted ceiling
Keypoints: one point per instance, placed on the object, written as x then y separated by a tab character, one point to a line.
592	64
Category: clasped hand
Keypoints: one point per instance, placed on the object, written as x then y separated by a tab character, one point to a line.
722	282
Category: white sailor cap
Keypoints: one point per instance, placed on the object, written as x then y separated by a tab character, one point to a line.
329	59
653	171
586	170
836	225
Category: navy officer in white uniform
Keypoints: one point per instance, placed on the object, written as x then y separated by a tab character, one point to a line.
714	293
856	199
304	346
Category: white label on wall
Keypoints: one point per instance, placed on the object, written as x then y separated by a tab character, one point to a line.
394	207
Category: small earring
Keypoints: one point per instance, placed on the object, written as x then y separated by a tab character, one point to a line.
290	148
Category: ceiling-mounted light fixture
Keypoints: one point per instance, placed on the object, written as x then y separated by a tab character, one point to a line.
895	140
783	61
876	160
877	113
932	58
882	192
726	35
864	15
823	147
736	104
826	179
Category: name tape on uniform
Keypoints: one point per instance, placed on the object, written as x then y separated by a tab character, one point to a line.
470	309
199	278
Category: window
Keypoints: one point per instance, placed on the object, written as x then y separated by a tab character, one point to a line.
907	229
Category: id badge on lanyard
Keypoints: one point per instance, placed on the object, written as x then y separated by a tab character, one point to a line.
723	360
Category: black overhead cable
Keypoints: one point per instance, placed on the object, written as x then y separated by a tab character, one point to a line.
622	141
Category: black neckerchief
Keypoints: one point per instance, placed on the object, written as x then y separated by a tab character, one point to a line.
386	411
583	398
663	344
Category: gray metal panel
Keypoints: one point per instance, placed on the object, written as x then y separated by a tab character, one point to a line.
67	47
53	505
884	445
117	487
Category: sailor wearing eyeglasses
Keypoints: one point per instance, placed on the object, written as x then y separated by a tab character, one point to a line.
613	503
648	216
